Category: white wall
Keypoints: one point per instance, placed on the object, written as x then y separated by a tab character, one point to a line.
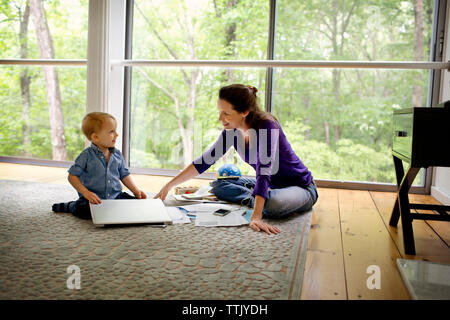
440	188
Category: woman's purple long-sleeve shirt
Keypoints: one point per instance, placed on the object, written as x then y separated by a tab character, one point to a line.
269	153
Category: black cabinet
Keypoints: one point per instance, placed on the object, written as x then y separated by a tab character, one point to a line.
422	139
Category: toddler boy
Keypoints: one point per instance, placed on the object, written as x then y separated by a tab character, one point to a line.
98	170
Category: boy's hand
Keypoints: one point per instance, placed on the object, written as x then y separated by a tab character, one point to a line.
140	194
92	197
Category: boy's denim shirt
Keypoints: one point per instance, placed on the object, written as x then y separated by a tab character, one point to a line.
98	176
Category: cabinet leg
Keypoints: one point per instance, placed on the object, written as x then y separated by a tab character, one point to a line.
395	215
408	236
403	203
399	173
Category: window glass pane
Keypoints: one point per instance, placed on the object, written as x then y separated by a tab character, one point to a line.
200	29
172	122
25	125
350	140
354	30
174	113
340	119
67	22
42	107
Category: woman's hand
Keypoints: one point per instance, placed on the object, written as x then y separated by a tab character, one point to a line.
259	225
256	222
162	194
189	172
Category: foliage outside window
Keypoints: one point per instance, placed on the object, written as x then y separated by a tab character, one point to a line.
172	105
42	107
337	120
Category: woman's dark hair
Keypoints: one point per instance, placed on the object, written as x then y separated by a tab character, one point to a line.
243	98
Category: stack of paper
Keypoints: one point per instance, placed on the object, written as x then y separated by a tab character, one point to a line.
234	218
207	207
183	208
177	215
201	193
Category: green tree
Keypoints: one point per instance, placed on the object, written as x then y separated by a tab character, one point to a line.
47	51
26	129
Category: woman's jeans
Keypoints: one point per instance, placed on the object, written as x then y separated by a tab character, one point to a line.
280	202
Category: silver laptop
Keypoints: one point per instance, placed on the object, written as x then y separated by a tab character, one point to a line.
130	211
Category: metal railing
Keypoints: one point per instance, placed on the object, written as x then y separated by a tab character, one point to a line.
43	62
243	63
286	64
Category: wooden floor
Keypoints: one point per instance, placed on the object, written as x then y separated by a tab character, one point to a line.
350	231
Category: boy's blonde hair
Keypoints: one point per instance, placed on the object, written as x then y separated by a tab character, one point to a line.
93	122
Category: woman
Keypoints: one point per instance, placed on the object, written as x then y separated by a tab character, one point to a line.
283	184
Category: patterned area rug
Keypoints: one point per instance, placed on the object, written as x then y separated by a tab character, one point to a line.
39	249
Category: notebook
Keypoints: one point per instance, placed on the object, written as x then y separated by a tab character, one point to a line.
130	211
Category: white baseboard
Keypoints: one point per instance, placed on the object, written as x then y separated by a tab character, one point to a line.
441	196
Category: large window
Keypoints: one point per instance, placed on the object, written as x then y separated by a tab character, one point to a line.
339	121
42	106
